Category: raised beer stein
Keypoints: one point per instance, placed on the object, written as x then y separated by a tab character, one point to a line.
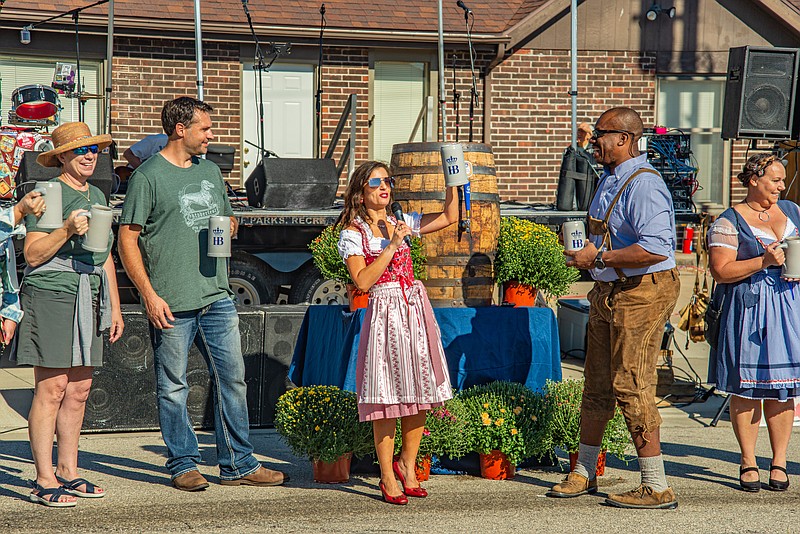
51	218
219	237
100	219
574	234
455	171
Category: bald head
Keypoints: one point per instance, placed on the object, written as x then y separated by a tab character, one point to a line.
625	119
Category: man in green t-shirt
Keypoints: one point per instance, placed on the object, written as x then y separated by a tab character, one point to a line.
163	240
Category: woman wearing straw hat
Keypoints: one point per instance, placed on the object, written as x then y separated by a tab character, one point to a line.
69	295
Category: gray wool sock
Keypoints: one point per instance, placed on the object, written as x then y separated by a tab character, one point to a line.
652	469
587	460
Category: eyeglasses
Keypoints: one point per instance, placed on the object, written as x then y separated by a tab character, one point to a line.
83	150
376	182
597	134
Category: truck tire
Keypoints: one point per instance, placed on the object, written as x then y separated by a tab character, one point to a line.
309	287
251	280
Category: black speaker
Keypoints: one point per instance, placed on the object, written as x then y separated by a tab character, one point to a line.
103	177
575	181
222	156
292	183
123	394
760	93
282	323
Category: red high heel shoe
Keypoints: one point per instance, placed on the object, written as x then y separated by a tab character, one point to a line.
411	492
400	499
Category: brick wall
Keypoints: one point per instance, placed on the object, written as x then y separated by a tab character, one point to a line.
148	72
532	111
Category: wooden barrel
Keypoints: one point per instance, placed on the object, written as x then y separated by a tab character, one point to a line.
460	264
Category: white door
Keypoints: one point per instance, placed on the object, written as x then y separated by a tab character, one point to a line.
288	92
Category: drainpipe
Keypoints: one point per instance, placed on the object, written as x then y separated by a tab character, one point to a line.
487	93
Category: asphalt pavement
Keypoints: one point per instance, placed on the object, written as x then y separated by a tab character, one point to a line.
701	463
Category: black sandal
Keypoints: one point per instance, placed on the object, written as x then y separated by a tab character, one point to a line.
751	487
778	485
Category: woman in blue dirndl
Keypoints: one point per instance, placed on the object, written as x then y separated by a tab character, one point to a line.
756	357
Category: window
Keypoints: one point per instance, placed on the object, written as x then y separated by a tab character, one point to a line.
695	106
19	72
398	96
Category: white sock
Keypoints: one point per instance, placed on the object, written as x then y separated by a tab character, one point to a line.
652	469
587	460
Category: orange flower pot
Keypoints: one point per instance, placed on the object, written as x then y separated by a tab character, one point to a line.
601	462
520	295
423	468
334	472
496	466
356	298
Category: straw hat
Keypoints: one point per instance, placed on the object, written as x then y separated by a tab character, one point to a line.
68	136
585	127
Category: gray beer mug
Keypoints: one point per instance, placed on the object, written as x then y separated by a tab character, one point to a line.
574	234
219	237
100	219
51	218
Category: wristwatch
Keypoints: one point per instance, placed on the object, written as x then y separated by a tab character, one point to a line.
598	261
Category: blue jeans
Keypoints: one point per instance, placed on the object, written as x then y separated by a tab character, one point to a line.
215	331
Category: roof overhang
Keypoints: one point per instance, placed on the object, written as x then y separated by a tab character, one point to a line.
783	13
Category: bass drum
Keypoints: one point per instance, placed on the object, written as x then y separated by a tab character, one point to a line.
35	102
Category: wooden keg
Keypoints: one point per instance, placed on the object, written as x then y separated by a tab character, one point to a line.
460	264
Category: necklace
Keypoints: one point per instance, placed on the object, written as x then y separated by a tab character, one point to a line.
85	194
761	213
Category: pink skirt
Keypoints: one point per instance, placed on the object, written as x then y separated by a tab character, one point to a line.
401	367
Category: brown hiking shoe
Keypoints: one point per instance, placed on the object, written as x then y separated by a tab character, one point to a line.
190	481
573	485
261	477
644	497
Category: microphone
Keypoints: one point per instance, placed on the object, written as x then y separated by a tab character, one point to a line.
397	211
322	9
463	6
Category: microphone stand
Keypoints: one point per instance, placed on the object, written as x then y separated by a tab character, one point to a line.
473	95
318	96
456	98
259	68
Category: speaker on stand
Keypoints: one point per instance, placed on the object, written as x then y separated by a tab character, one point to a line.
760	93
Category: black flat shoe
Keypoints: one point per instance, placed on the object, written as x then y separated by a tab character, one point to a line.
778	485
751	487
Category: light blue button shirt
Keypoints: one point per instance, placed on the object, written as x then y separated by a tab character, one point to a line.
9	301
643	215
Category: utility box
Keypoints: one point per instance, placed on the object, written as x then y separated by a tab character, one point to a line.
573	321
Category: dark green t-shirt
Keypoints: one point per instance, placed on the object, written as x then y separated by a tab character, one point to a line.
71	200
172	205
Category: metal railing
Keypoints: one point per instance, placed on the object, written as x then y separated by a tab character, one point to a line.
349	152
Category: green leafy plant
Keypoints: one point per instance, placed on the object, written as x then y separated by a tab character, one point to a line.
530	253
494	425
445	432
529	408
563	418
325	253
321	423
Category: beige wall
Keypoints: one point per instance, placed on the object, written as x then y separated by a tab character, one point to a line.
695	41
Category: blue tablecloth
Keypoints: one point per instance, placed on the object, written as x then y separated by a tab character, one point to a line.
481	344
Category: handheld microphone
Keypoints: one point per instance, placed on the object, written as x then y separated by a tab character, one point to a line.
322	9
397	211
463	6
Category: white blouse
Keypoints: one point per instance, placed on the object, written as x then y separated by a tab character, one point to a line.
723	233
350	240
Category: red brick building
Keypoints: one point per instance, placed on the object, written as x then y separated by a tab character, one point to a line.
672	70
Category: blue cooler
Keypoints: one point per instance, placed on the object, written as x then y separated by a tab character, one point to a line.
573	320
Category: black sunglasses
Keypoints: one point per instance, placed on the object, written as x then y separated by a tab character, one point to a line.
597	134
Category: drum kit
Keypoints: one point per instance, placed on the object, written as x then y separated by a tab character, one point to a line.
38	105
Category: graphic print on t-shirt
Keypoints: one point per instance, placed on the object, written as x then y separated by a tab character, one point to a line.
197	204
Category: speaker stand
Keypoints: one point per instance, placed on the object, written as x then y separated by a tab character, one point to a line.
720	411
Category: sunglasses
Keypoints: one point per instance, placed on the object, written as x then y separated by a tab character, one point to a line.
376	182
597	134
83	150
